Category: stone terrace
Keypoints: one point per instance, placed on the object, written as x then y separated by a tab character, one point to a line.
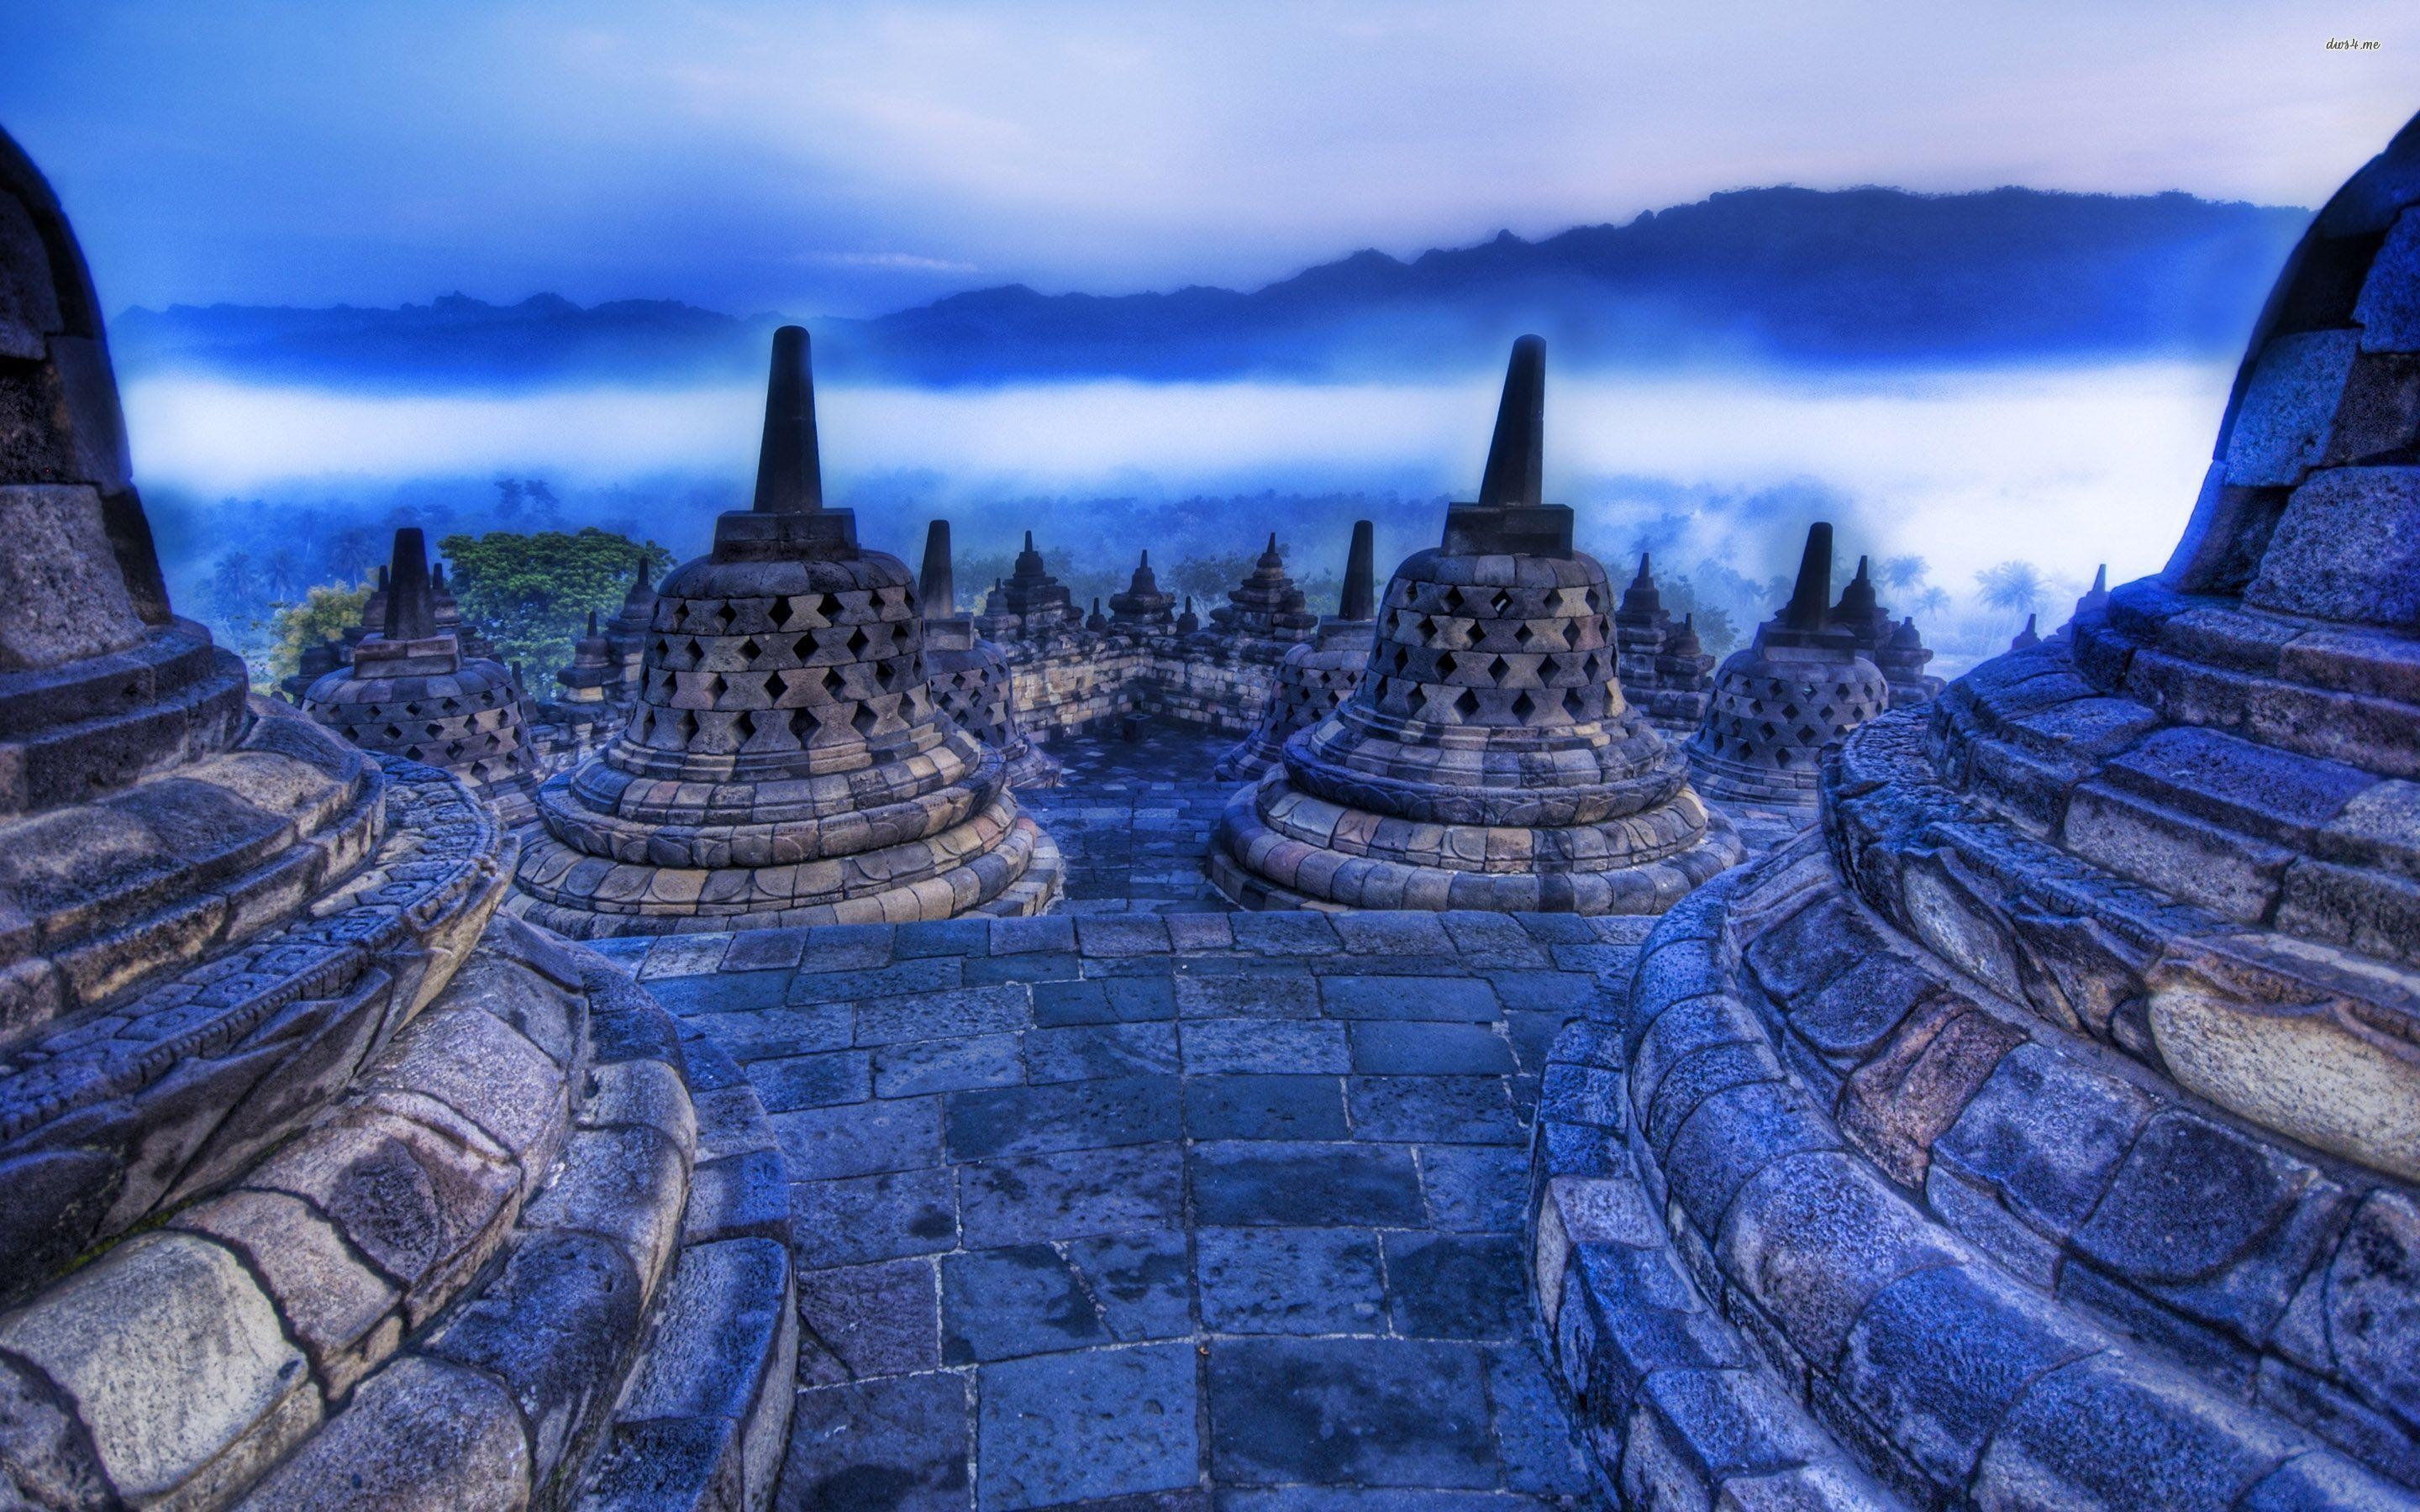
1207	1210
1132	818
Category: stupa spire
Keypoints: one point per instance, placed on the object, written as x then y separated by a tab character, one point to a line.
1360	598
1518	450
1810	602
790	469
410	609
936	583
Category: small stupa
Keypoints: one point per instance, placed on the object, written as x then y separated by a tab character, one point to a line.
1188	623
1664	670
1266	605
1485	758
593	677
970	675
1902	659
1800	685
1144	605
1030	605
413	692
1316	677
784	762
625	634
2029	637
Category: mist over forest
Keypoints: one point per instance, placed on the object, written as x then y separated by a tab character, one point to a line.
1988	394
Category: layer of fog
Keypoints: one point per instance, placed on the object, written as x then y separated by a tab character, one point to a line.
2061	469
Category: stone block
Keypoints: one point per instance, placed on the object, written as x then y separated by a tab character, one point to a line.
421	1435
1895	1106
1238	1184
1938	1356
1023	1120
2109	1430
1344	1413
2047	1133
2282	428
60	578
1071	1194
860	1140
331	1303
717	1330
1265	1107
2347	547
1096	1424
1277	1048
1272	1280
902	1442
173	1358
871	1320
1447	1110
1817	1236
1456	1286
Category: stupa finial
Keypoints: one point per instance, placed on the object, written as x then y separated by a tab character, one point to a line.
410	609
1517	451
790	469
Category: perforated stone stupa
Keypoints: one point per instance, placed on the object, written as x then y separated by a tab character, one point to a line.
319	1186
1315	678
970	677
1487	759
626	636
784	762
1266	605
1799	686
410	691
2048	1121
1030	605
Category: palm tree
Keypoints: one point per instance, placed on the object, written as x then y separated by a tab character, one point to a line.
2016	587
282	576
1905	572
235	586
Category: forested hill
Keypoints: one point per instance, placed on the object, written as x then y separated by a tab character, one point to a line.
1789	276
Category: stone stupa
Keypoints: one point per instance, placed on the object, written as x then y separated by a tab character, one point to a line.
1314	679
594	675
412	692
1266	605
320	1186
784	762
1145	607
969	677
1485	759
2043	1130
1030	605
1800	685
1664	670
625	634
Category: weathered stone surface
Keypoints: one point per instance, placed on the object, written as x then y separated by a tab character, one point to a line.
66	597
419	1434
172	1356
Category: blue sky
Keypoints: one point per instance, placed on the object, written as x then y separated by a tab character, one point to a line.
848	157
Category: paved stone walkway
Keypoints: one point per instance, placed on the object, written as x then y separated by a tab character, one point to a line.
1133	819
1204	1210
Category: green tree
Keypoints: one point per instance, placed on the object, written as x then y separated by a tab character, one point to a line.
324	613
529	595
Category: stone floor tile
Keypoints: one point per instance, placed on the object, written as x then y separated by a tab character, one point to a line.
847	947
996	968
1199	932
1443	1110
1396	1047
947	938
1565	995
1288	993
967	1010
1004	1304
1025	1120
1274	1046
1291	1280
1456	1286
765	949
1093	1424
780	1031
1349	1412
869	1320
930	974
1103	1000
852	1221
1312	1185
683	955
1024	936
1125	934
721	992
1455	999
898	1134
954	1065
1089	1052
897	1443
1248	1107
1285	933
1541	1452
817	1081
1142	1283
1072	1194
1475	1188
1393	934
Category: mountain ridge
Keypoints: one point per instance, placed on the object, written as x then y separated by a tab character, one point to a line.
1777	275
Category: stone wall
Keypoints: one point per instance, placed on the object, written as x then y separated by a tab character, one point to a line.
1074	683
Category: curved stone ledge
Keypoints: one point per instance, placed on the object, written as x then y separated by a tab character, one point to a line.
539	1256
758	841
1885	1188
122	1112
1261	867
72	732
605	788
